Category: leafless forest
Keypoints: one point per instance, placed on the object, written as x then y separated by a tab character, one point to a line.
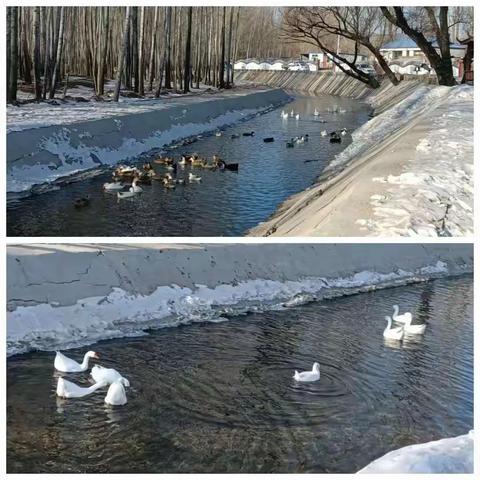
151	49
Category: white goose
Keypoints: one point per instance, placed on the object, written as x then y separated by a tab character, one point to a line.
316	113
395	333
194	178
323	133
135	188
113	186
292	113
67	365
418	329
297	116
311	376
109	375
66	389
407	316
116	393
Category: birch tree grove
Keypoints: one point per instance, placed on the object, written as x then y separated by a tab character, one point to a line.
163	48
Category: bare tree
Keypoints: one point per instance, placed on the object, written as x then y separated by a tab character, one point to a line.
122	54
12	53
440	62
363	27
59	49
188	47
37	80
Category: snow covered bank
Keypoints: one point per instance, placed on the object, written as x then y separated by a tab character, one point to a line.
44	148
64	296
408	172
448	455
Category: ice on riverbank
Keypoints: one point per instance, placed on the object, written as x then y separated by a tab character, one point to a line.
48	327
448	455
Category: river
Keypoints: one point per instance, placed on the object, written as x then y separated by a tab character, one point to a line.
219	397
223	203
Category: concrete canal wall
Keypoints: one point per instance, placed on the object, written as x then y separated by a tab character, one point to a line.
64	295
49	153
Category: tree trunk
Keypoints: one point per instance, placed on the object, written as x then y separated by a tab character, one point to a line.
13	54
141	89
37	80
188	44
58	58
134	40
122	54
229	47
168	46
221	64
151	70
103	52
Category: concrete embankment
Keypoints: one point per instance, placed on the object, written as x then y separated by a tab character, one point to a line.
408	171
49	153
65	295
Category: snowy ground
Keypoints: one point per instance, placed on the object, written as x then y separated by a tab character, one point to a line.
64	112
448	455
408	172
433	195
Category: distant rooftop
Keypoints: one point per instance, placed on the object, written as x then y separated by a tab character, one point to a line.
406	42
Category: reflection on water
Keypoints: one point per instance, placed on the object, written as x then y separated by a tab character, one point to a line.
224	203
219	397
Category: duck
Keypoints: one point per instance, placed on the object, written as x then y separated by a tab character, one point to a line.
81	202
198	162
248	134
194	178
291	143
323	133
311	376
405	317
417	329
269	139
67	365
67	389
234	135
116	394
316	113
109	375
183	160
343	132
335	138
113	186
395	333
299	139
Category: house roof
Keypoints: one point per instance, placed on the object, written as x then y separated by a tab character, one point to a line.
407	43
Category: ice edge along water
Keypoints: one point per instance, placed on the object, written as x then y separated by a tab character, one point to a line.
78	158
121	314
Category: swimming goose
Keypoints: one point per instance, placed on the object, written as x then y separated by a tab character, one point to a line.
407	316
67	365
116	394
297	116
135	188
66	389
194	178
292	113
323	133
395	333
113	186
316	113
311	376
109	375
417	329
218	134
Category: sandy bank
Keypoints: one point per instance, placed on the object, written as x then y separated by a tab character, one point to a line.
66	295
408	172
45	148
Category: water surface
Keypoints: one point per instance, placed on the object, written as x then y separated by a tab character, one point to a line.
224	203
219	397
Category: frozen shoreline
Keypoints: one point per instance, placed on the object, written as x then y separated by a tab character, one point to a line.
408	172
45	150
65	296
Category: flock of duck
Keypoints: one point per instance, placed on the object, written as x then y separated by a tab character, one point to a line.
127	180
116	383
